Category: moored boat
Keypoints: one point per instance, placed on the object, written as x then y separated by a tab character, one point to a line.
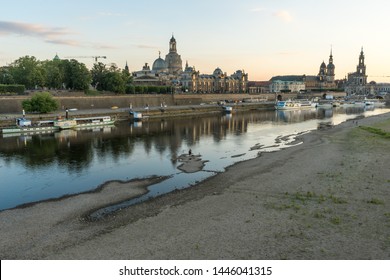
325	104
25	126
83	122
227	109
374	102
137	116
294	105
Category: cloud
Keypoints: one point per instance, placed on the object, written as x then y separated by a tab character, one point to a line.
284	15
51	35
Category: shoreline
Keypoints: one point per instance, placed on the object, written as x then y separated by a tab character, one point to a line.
322	208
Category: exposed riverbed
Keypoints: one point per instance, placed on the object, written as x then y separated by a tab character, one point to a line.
49	166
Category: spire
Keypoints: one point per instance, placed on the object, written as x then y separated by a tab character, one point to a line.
331	55
126	67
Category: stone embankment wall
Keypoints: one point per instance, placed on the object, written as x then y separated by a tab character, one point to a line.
14	104
80	101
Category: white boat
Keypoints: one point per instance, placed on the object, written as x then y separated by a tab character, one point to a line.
356	104
94	121
24	126
83	122
136	115
295	105
374	102
325	104
227	109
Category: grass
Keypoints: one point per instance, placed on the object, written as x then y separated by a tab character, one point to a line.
375	201
376	131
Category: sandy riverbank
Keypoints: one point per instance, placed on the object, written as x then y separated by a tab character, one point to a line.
328	198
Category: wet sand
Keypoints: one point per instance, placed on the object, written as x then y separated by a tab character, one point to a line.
328	198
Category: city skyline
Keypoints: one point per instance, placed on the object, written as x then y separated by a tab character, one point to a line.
264	38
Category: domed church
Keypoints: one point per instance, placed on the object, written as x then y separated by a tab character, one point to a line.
159	65
172	64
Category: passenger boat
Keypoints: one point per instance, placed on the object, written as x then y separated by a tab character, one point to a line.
25	126
295	105
83	122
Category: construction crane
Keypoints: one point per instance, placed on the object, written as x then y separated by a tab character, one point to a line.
94	57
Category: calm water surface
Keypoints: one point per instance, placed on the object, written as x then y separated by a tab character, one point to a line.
40	167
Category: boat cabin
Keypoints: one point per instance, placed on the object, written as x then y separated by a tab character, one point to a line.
23	122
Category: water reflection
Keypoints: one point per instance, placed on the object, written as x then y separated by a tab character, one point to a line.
45	166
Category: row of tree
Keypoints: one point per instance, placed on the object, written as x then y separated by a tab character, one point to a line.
64	74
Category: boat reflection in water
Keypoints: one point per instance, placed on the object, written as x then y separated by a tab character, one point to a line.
52	165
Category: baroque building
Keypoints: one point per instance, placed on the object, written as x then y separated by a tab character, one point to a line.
170	72
357	81
325	79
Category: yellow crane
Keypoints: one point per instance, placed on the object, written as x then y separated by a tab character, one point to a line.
96	57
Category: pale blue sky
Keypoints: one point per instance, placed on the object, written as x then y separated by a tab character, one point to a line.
263	37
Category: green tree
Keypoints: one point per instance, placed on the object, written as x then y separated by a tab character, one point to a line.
6	77
53	73
42	102
98	72
109	79
76	75
27	71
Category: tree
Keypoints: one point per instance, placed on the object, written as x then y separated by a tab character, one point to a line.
42	102
76	75
27	71
98	73
109	79
53	73
6	77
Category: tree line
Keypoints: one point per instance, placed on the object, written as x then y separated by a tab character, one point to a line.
63	74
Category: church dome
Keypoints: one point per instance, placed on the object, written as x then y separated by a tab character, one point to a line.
331	66
159	65
323	65
218	72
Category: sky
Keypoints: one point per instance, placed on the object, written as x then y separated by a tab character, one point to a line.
264	38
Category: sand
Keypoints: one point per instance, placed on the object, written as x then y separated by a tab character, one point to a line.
328	198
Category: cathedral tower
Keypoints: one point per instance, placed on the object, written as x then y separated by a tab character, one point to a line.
330	73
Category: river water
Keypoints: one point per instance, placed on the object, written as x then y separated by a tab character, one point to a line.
46	166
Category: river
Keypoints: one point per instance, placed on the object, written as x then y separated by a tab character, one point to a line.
46	166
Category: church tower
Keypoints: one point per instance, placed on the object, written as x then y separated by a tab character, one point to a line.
172	45
330	69
173	59
361	68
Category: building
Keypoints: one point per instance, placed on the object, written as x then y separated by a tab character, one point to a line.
378	89
325	79
292	83
357	81
173	59
259	87
170	72
219	82
148	77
